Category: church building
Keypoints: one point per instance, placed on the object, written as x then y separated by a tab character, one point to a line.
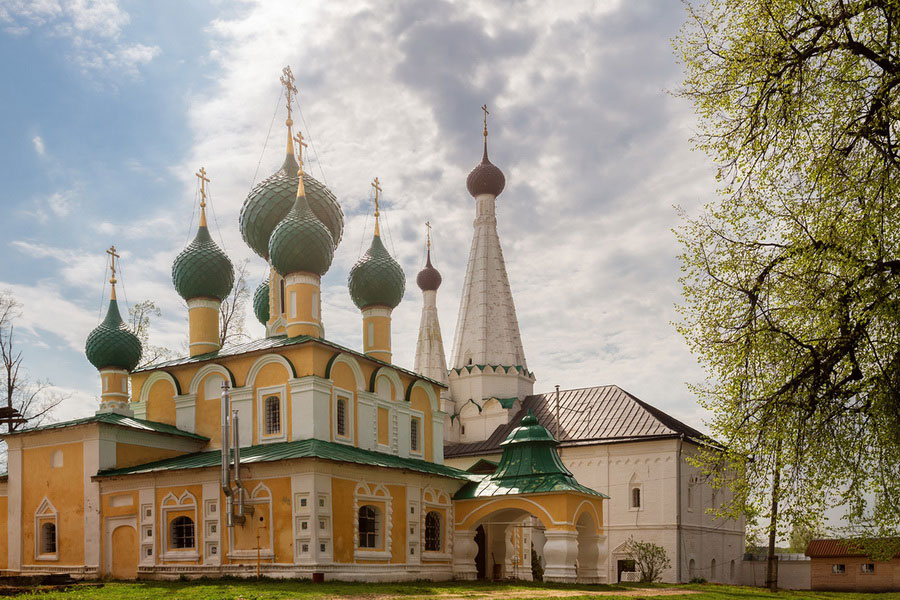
293	456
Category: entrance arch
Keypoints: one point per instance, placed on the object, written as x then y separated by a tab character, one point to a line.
124	549
504	539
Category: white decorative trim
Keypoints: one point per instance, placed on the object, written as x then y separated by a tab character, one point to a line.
302	277
113	523
346	359
45	513
201	374
185	502
313	323
347	395
264	360
261	395
186	412
363	495
376	311
420	416
155	377
216	344
394	378
258	502
204	303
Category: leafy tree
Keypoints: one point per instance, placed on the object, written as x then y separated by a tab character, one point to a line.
650	559
792	276
27	402
802	534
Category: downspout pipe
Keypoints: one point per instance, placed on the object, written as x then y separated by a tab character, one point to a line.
226	451
678	532
238	484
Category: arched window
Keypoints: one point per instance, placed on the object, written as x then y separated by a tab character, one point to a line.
368	526
181	533
635	497
692	569
273	415
433	532
281	296
341	416
712	570
48	538
731	571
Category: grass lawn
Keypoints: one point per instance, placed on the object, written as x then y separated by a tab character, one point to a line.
235	589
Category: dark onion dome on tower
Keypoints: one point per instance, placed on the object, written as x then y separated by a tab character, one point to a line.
261	302
202	270
111	344
377	279
301	242
429	278
485	178
271	199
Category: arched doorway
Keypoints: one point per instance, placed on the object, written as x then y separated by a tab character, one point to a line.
124	553
480	564
590	548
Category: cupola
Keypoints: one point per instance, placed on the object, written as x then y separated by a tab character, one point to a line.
485	178
429	279
300	250
376	285
114	350
261	302
204	276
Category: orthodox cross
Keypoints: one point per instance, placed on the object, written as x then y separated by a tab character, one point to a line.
377	185
486	113
428	235
287	80
301	145
201	175
113	255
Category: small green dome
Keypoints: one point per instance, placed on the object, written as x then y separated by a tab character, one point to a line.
111	344
202	270
376	278
272	199
301	242
261	302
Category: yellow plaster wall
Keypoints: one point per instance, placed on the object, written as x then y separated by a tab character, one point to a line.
303	297
381	329
342	491
208	411
556	511
160	402
64	488
4	554
384	435
280	525
128	455
108	510
271	375
203	325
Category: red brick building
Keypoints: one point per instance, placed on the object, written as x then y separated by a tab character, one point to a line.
840	565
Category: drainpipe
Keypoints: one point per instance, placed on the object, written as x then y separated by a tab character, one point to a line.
678	531
226	472
238	484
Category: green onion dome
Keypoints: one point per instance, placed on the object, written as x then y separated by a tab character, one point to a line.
301	242
376	278
111	344
202	270
272	199
261	302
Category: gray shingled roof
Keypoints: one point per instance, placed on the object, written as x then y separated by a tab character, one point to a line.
594	415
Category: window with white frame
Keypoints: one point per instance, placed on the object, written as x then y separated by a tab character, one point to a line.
867	567
414	434
48	538
838	569
369	525
433	532
272	415
635	497
181	533
341	417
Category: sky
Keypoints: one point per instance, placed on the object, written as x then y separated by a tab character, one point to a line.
110	107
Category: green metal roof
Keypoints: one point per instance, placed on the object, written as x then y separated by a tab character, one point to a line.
111	343
116	419
530	464
301	242
261	302
376	279
277	341
309	448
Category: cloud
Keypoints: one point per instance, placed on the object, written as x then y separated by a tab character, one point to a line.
38	143
92	27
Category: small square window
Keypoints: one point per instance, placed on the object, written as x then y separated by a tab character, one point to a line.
302	501
412	550
148	512
213	550
868	567
838	569
212	528
304	548
321	547
148	551
322	502
304	525
212	508
412	530
412	510
321	524
148	532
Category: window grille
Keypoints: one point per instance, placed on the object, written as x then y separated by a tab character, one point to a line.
48	538
342	416
181	533
432	532
636	498
273	415
414	434
368	527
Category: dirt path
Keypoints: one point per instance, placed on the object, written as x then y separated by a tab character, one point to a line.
533	593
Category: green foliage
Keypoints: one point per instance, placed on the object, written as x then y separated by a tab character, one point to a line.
791	279
802	534
650	559
537	570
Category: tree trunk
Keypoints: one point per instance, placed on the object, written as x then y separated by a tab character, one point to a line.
771	559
